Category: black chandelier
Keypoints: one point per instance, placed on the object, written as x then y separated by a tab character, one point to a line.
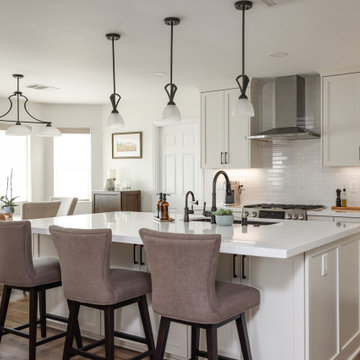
19	129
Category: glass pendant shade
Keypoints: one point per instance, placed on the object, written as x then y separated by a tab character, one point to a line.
171	114
115	120
243	107
18	130
49	131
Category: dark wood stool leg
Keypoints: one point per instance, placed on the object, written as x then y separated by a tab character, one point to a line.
144	312
243	336
42	310
211	340
70	332
78	337
109	333
162	338
195	338
32	323
5	299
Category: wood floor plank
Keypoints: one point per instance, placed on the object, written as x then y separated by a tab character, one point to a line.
16	348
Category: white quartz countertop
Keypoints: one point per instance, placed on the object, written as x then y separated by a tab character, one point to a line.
329	212
281	240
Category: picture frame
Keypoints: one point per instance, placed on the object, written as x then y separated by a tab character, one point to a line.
127	145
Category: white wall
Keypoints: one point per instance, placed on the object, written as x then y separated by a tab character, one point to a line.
140	115
296	176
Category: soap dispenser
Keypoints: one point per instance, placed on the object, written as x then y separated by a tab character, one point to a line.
158	206
164	208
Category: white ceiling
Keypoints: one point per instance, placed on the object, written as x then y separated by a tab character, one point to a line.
61	43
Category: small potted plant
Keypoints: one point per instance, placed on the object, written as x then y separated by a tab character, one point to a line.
8	200
223	217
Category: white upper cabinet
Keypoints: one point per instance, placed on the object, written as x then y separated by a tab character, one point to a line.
223	143
341	120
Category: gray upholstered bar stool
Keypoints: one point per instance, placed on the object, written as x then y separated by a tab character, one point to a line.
183	270
39	209
68	205
89	281
18	270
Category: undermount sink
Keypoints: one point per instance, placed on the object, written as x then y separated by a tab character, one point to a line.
250	222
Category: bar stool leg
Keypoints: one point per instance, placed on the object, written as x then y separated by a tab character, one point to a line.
145	318
71	328
243	336
5	299
42	310
109	333
162	338
211	340
32	323
195	338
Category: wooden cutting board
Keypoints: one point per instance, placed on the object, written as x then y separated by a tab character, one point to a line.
348	208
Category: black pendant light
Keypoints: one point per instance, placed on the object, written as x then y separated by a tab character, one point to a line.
243	106
19	129
115	120
171	113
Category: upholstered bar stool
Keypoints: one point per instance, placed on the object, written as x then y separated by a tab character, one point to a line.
89	281
183	270
18	270
39	209
67	206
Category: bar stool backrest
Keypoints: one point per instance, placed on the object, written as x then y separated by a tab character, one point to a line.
67	206
183	270
84	257
39	209
16	263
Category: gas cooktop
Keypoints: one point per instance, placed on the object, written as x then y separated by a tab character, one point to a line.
279	211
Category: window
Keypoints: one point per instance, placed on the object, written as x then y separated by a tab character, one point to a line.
14	155
72	164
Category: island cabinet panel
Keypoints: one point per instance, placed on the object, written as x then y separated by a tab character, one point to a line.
332	301
341	116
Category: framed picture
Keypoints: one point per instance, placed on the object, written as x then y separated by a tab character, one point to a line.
127	145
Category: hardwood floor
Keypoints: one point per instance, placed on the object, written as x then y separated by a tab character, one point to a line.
16	348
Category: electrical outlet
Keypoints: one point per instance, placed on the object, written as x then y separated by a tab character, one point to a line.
354	185
324	264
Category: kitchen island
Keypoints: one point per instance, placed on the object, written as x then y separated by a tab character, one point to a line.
307	273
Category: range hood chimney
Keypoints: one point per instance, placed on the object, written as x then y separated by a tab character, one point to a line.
289	112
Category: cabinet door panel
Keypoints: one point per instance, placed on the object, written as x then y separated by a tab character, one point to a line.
322	312
348	291
212	123
236	146
341	116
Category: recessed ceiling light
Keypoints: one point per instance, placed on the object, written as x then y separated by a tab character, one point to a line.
279	54
160	73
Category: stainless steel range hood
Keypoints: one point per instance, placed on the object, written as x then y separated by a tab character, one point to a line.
290	117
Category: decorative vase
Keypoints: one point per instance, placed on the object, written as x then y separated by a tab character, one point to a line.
224	220
8	210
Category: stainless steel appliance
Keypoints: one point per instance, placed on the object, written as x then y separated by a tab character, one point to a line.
279	211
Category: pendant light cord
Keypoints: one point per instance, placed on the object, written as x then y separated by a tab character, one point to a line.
113	59
17	102
171	52
243	40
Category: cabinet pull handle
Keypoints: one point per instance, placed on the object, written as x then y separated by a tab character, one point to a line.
141	255
243	266
226	157
134	255
234	266
221	158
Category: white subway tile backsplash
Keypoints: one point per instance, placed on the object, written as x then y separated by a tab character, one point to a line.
296	176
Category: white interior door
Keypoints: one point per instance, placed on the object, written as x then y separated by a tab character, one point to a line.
179	170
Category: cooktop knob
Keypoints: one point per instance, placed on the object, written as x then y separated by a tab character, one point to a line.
246	213
288	216
295	216
254	214
301	217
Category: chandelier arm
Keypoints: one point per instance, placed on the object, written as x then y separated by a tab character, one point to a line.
33	117
11	106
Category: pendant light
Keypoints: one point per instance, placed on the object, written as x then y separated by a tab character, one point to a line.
22	130
171	113
115	120
243	106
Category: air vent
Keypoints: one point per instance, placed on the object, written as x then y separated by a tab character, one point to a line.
271	3
41	87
